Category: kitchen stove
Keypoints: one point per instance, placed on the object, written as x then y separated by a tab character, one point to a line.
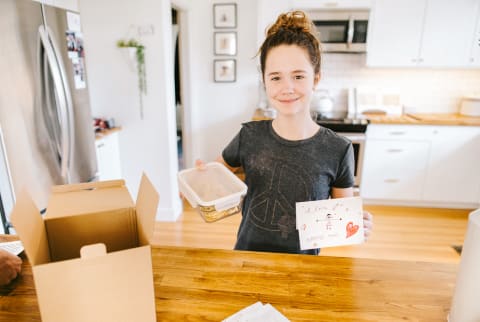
353	129
343	123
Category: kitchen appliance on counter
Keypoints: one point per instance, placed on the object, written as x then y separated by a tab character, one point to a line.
353	129
342	31
470	106
375	100
44	106
322	102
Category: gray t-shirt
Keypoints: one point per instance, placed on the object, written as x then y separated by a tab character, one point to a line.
279	173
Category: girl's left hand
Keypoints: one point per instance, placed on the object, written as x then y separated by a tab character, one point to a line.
367	224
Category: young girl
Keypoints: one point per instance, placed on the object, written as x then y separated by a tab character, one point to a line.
291	158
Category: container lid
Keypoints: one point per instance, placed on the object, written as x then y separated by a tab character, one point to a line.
213	186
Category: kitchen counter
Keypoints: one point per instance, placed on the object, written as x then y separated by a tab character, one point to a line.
410	119
106	132
425	119
210	285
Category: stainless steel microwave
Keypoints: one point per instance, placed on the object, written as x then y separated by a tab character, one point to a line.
342	30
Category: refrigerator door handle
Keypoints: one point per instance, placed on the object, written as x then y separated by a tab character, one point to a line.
63	99
50	113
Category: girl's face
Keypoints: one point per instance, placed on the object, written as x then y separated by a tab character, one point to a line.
289	79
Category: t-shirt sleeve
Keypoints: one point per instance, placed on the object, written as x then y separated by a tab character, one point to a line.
231	153
345	174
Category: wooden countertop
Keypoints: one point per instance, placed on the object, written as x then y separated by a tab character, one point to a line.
425	119
210	285
106	132
410	119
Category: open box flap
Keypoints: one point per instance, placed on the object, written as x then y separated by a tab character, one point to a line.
82	198
88	186
30	228
112	287
147	203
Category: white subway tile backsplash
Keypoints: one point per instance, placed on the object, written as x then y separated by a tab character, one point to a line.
422	90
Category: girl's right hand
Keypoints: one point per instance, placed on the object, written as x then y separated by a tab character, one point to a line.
200	165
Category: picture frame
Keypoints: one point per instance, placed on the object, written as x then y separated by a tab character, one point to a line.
225	43
224	70
225	15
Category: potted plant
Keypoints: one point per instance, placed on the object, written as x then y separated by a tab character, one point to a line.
139	51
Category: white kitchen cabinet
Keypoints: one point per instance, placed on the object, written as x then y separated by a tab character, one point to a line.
447	33
474	59
330	4
394	33
421	33
108	157
395	163
425	165
453	173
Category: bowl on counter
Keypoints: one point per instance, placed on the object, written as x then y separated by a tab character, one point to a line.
470	106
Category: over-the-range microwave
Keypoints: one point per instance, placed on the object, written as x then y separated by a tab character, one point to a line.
341	30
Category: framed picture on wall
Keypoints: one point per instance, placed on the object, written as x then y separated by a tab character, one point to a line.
225	43
225	15
224	70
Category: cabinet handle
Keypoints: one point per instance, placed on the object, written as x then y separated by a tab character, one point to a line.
414	60
420	60
391	180
394	150
101	145
331	4
397	132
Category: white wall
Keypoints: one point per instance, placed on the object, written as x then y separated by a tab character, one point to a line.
147	145
218	108
215	110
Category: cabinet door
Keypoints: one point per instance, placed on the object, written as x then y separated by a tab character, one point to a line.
331	4
447	33
394	34
474	59
454	169
394	169
108	157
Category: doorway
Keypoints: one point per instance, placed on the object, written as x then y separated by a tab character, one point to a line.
181	24
178	94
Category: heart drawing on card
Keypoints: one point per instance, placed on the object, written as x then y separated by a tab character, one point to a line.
351	229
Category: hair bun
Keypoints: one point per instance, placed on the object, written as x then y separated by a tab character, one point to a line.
295	21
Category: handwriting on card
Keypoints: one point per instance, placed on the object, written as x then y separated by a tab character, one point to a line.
332	222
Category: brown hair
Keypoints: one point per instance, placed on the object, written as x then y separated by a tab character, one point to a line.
292	28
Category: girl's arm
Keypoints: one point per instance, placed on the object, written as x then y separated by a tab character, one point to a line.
341	192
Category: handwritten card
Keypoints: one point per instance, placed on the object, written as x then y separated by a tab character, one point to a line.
332	222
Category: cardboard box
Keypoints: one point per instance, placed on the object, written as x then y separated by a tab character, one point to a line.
90	254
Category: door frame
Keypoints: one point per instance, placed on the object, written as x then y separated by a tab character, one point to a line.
183	8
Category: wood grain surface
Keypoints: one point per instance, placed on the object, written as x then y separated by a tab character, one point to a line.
408	119
399	233
211	284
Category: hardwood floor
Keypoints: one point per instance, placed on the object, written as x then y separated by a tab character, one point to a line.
414	234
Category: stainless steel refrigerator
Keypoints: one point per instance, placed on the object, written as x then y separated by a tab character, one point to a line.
45	116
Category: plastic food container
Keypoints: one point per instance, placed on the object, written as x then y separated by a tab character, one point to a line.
214	191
